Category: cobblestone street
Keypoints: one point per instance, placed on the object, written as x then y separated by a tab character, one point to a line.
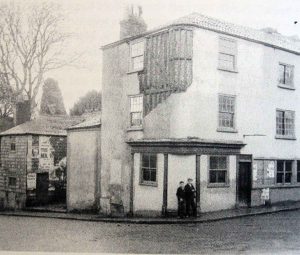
273	233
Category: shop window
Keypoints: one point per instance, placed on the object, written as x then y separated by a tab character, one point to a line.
218	169
227	54
12	181
285	124
136	111
137	56
286	75
284	171
226	112
149	169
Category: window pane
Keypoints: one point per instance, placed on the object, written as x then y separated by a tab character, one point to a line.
212	176
145	160
226	61
213	163
282	74
138	63
153	175
137	49
136	119
279	177
280	164
221	176
288	177
136	104
153	161
146	175
288	166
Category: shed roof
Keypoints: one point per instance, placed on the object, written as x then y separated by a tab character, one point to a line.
266	37
90	122
44	125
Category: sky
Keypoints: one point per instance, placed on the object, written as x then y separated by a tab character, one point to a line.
94	23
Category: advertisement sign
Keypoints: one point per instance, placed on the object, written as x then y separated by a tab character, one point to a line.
31	181
265	194
254	171
271	169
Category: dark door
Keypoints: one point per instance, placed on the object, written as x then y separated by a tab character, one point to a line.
244	184
42	186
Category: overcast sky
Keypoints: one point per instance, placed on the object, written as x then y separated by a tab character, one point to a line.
94	23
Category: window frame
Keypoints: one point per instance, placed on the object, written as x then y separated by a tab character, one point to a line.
9	183
131	57
145	182
230	52
297	171
284	183
227	129
290	85
218	184
284	136
136	127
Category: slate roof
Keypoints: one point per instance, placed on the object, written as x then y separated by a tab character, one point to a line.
90	122
209	23
44	125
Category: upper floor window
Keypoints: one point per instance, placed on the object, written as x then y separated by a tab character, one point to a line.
137	56
149	168
226	112
218	168
286	75
285	124
136	111
227	54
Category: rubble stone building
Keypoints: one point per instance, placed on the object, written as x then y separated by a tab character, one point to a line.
205	99
30	158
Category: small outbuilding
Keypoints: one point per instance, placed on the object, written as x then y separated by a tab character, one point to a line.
83	161
33	162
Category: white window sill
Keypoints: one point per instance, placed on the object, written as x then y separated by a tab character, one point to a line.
284	86
135	71
135	129
218	185
228	70
227	130
285	137
150	184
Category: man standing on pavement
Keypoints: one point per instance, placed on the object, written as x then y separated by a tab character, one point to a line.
190	193
181	197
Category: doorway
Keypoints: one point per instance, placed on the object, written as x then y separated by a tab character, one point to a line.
244	184
42	185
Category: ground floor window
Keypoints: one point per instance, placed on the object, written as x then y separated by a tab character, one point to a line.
149	169
284	171
218	169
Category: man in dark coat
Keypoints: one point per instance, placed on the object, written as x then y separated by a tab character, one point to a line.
181	197
190	193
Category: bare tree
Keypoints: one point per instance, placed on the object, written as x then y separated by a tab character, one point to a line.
31	44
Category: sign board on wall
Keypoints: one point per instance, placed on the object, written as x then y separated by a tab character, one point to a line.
265	194
31	181
271	169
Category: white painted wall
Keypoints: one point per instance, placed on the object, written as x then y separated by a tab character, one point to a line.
217	198
82	160
180	168
148	198
195	112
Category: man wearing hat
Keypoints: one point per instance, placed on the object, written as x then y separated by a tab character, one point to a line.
190	193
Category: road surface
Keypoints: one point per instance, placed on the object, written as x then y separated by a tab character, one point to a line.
271	233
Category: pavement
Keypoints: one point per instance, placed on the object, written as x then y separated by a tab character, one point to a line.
204	217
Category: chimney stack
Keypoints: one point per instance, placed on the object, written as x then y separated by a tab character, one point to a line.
133	23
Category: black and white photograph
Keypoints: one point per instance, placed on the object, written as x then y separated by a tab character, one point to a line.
149	127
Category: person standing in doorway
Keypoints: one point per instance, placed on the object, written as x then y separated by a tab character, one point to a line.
190	193
181	197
